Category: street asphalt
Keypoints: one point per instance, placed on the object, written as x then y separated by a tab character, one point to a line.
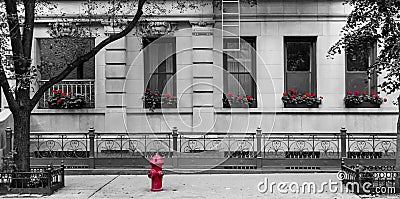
230	186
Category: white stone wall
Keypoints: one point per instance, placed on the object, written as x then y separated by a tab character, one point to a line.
120	79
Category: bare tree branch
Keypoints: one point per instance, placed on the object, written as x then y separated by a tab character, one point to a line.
28	27
78	61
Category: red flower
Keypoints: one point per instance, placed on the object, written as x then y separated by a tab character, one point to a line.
321	97
230	95
377	96
240	97
249	97
285	94
148	89
167	95
313	95
54	92
63	94
59	101
384	99
372	93
308	94
59	91
70	93
356	93
156	95
171	97
303	96
293	96
364	93
349	92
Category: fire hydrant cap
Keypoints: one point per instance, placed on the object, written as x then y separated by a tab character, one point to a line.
157	160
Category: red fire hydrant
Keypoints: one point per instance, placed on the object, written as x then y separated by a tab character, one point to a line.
155	173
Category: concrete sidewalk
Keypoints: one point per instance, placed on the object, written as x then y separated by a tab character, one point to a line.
217	186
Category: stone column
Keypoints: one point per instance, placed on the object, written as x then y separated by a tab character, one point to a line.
203	90
115	74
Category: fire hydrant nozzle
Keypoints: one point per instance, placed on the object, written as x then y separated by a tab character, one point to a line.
155	173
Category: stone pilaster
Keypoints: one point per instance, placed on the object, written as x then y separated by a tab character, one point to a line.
203	90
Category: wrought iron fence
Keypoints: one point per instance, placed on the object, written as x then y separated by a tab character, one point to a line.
371	146
236	145
301	145
38	180
84	87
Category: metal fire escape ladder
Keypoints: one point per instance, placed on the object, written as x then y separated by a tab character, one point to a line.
230	11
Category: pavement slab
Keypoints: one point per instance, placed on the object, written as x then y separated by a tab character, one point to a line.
194	186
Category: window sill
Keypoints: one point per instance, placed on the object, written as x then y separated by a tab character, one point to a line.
70	111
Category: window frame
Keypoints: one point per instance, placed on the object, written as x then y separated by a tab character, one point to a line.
313	61
252	41
149	74
372	87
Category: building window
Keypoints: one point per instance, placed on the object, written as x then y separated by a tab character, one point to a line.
357	76
55	54
240	73
160	67
300	65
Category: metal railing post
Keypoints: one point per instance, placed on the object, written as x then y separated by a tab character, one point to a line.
91	145
343	142
175	147
258	154
8	140
62	173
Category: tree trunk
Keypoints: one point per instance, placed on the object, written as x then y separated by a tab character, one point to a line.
21	139
398	137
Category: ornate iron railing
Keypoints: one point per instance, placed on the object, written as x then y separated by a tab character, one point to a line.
301	145
236	145
371	146
84	87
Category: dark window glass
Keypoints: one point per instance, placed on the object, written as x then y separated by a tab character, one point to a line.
56	53
300	67
298	56
239	78
160	65
358	78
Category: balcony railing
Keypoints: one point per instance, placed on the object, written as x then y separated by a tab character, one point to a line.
84	87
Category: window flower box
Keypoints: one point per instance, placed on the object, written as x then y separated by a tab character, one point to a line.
153	99
357	100
62	100
239	101
294	100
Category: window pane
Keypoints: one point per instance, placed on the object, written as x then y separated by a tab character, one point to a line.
357	62
298	56
160	65
357	82
56	53
300	82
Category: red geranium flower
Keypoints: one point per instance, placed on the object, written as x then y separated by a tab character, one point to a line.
313	95
59	101
385	100
148	89
349	92
372	93
54	92
167	95
230	95
70	93
249	97
303	96
356	93
63	94
285	94
308	94
240	97
364	93
156	95
59	91
377	96
171	97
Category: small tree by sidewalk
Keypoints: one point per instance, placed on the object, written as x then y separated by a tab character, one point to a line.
372	22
